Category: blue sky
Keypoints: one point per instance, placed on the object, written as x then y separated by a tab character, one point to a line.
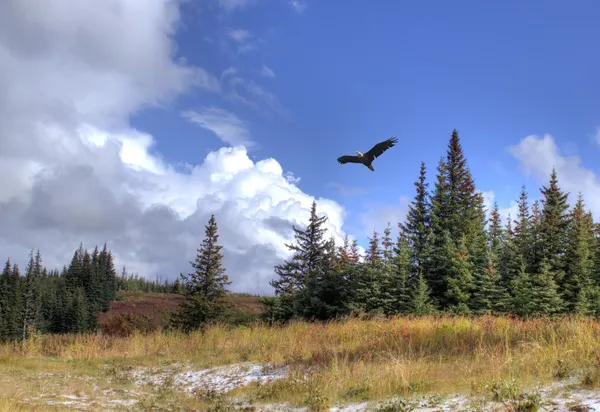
346	75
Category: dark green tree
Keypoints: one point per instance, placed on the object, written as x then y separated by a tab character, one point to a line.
205	288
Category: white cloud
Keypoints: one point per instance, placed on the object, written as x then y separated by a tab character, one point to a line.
226	125
73	73
298	5
537	155
266	71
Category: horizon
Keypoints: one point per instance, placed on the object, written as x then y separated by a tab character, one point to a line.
131	125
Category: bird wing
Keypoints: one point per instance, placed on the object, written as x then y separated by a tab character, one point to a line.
381	147
348	159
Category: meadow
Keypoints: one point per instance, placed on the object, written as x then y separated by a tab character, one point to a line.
490	359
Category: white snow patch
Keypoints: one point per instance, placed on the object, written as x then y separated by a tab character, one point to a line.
220	379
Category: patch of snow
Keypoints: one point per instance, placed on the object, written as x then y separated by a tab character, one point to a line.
220	379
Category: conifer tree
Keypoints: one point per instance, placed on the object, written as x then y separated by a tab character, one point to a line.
31	294
578	260
553	227
522	291
536	248
309	259
205	288
522	233
546	298
387	245
420	301
401	287
418	225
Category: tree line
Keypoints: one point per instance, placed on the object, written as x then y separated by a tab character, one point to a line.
449	257
52	301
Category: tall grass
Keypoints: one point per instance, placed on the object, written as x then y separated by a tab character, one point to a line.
359	359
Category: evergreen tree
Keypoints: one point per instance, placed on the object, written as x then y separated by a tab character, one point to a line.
418	225
205	288
309	259
31	294
522	291
522	233
578	260
536	248
401	289
553	227
420	302
546	299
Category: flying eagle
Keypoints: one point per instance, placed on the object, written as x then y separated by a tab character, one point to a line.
367	158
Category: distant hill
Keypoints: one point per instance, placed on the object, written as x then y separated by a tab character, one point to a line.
148	312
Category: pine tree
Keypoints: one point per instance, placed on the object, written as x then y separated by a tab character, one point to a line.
460	281
553	227
420	302
536	248
522	291
374	253
387	245
511	260
521	229
546	299
31	295
401	296
578	260
309	259
418	225
205	288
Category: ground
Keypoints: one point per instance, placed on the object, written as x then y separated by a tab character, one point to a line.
402	364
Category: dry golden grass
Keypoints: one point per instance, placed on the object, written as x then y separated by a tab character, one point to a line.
348	361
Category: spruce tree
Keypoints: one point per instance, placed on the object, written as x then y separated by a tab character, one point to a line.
578	260
553	227
205	288
418	225
522	233
309	259
401	286
546	298
420	300
522	291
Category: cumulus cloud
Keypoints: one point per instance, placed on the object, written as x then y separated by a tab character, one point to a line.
538	155
73	73
226	125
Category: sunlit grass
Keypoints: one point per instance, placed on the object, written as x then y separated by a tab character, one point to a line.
348	361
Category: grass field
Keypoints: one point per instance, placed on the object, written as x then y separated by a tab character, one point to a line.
316	366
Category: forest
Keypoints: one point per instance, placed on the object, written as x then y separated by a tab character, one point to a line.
448	258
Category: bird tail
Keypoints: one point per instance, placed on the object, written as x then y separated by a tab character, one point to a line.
371	168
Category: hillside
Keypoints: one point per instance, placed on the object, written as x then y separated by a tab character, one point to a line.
148	312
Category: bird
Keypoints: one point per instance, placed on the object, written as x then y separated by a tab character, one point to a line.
367	158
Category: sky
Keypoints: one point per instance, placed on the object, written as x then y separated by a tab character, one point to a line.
130	122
